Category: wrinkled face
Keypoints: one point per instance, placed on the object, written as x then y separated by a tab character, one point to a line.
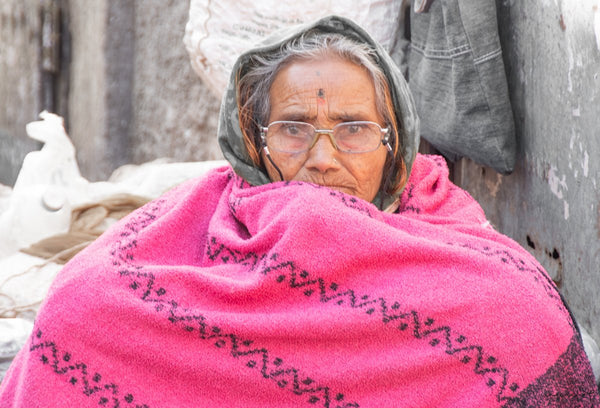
324	93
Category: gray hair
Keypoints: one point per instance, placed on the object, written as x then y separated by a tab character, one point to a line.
307	47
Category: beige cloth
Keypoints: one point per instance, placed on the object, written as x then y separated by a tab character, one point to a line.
88	222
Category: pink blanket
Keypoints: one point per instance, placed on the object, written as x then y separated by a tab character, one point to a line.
220	294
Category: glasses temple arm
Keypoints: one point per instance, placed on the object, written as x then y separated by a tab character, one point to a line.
263	140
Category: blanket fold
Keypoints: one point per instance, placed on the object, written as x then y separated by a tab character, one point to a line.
292	294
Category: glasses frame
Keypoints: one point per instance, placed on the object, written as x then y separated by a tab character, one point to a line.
317	132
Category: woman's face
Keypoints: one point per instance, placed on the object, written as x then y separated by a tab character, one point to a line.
324	93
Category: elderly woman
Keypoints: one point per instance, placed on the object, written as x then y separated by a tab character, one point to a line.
331	267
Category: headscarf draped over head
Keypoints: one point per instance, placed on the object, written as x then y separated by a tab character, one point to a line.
230	135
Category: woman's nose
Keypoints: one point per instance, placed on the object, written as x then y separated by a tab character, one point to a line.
322	156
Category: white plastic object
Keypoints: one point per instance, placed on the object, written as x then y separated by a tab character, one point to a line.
38	206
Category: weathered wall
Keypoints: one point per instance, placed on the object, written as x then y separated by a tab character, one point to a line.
124	84
134	97
19	82
550	204
174	113
88	83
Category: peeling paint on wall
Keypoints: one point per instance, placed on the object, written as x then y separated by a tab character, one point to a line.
558	185
494	186
597	23
582	14
578	20
579	155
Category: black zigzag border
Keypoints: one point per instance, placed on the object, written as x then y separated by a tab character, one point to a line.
63	362
108	394
538	274
255	357
423	328
275	369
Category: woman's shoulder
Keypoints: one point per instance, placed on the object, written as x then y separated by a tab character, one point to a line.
429	191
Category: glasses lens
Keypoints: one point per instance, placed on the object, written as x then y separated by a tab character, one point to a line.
357	137
290	137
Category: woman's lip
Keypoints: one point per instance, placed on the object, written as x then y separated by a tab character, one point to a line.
343	189
339	187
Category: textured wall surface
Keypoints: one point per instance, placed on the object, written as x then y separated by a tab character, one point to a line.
129	96
174	113
19	82
550	204
134	97
87	99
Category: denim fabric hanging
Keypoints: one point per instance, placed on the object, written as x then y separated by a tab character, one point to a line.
457	77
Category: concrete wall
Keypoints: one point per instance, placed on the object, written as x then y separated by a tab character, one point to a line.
134	97
88	99
550	204
124	84
174	113
20	81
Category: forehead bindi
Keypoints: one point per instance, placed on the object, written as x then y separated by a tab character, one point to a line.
335	87
321	98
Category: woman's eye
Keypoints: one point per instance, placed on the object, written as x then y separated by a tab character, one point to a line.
292	130
354	128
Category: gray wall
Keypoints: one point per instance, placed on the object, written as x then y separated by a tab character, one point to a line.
98	118
20	79
124	84
175	115
550	203
134	96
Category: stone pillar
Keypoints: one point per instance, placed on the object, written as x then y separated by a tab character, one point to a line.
101	81
133	95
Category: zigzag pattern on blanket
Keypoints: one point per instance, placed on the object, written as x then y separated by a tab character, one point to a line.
272	368
145	287
423	328
253	355
77	374
492	372
533	270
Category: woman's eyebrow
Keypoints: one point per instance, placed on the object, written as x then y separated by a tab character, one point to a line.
297	115
351	116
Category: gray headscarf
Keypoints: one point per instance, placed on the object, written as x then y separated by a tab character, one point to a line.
230	135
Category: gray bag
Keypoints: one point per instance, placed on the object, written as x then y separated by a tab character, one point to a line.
457	77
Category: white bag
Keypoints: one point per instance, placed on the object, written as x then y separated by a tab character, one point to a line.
219	31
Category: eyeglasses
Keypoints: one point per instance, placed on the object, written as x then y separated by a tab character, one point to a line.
349	137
